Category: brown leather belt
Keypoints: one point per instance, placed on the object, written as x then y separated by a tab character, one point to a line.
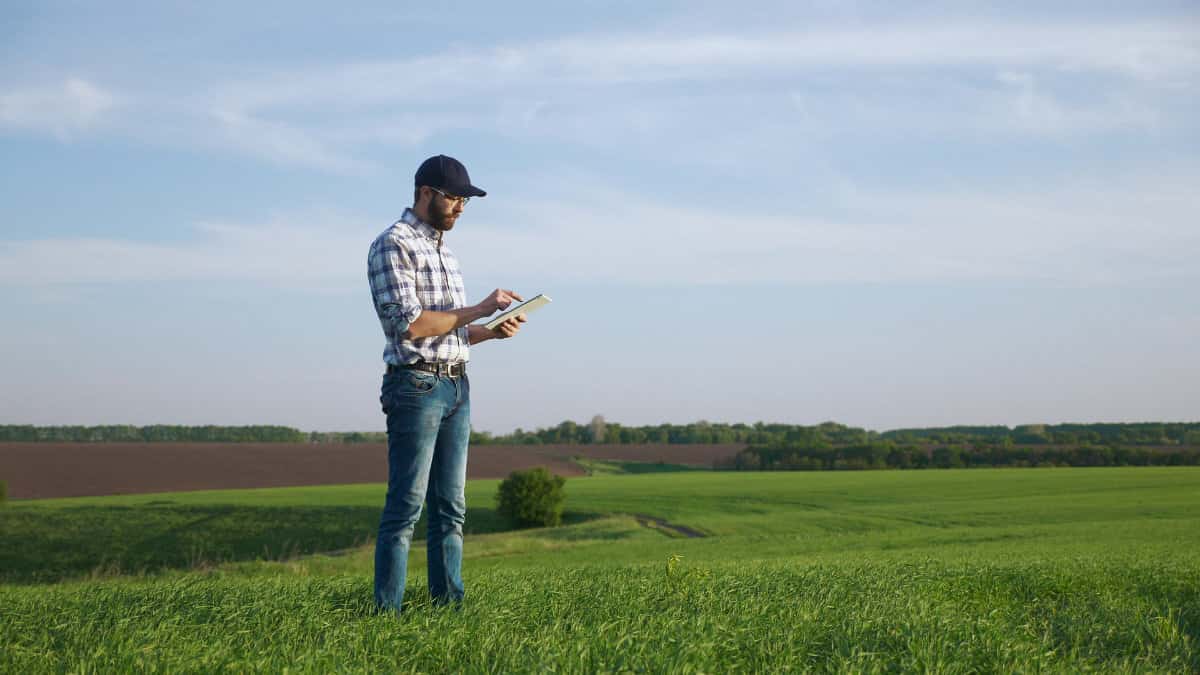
442	369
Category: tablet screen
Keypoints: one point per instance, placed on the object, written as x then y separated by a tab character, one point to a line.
525	307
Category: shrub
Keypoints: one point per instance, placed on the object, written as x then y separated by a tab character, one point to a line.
3	492
532	498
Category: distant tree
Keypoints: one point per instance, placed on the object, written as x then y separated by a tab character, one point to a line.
633	435
532	498
565	432
1030	433
748	460
598	429
3	492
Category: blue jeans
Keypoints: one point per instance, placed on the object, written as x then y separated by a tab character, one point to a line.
429	427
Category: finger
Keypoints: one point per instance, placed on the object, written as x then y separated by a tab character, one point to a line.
518	297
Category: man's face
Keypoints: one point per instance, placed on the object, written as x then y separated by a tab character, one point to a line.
443	211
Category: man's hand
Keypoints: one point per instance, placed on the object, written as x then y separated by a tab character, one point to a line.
509	328
500	298
430	322
477	332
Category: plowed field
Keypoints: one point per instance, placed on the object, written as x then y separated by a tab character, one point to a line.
44	470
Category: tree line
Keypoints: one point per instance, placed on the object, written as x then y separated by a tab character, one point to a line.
887	454
601	431
157	433
834	434
1139	433
598	430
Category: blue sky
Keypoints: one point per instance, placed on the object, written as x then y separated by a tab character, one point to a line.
957	214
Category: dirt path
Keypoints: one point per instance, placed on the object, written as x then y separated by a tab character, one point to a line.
660	524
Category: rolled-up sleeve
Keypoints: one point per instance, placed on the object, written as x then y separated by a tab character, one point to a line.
391	269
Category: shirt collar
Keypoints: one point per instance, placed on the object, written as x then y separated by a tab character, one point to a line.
421	227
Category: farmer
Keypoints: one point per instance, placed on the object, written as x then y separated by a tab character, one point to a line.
421	303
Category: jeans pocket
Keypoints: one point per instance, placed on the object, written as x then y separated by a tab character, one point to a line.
415	383
404	385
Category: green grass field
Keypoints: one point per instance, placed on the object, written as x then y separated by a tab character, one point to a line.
1062	570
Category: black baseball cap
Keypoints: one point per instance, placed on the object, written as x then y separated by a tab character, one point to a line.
447	174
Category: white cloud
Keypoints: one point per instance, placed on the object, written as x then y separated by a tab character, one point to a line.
318	250
1034	109
1156	51
1147	50
1137	230
595	89
282	143
1140	231
63	109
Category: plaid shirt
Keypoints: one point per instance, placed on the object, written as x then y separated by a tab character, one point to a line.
411	270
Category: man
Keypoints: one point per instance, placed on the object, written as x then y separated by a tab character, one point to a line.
421	303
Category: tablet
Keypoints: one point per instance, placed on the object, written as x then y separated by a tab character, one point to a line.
524	308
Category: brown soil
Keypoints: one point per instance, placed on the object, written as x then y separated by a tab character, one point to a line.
44	470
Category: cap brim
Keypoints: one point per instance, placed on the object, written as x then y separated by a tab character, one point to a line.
465	191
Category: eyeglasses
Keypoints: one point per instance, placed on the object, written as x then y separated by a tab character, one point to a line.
451	198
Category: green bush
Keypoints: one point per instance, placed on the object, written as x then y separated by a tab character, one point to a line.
3	492
532	498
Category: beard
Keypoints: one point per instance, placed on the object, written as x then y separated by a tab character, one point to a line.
440	220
